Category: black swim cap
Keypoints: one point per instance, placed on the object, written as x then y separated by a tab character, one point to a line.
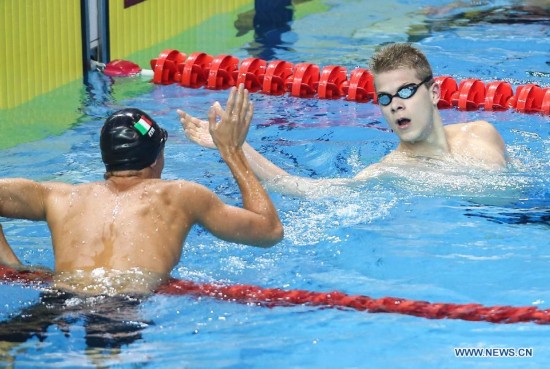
130	140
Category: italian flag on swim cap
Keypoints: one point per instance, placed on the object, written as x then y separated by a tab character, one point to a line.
144	126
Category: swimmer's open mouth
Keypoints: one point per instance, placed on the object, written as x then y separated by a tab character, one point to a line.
403	122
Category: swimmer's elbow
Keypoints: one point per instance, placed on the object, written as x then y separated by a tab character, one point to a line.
279	234
272	237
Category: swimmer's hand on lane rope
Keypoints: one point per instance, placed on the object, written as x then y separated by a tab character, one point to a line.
239	111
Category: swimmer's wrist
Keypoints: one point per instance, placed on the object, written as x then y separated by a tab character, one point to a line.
230	150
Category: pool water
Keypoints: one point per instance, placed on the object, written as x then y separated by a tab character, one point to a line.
430	234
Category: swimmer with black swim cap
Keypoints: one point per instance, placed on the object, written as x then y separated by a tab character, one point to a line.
130	140
125	235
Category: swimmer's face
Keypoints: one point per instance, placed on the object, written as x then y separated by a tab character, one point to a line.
411	118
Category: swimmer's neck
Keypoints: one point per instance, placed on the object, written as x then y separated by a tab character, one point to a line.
124	180
435	145
130	177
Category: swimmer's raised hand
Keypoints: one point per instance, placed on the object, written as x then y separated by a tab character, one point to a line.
238	108
231	128
196	130
237	116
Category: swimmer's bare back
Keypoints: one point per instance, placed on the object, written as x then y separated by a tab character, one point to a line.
100	230
120	224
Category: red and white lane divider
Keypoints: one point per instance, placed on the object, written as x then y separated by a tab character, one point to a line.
308	80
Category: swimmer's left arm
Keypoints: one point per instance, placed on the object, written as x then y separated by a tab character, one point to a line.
22	199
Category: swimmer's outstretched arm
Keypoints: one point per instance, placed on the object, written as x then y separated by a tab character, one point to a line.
198	132
7	256
276	178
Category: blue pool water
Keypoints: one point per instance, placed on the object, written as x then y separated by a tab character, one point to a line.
431	234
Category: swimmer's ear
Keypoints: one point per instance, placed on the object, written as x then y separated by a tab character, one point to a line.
435	91
155	163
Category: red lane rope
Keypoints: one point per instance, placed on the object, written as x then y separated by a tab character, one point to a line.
272	297
330	82
278	297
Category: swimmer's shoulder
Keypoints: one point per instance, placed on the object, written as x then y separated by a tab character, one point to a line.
478	140
475	133
485	129
480	128
180	188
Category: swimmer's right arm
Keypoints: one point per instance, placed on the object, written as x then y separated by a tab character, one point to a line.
22	199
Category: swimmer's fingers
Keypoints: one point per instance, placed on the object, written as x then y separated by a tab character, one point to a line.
214	128
238	98
185	119
182	114
196	130
188	122
229	107
245	101
240	102
242	115
211	119
214	111
248	116
193	133
230	131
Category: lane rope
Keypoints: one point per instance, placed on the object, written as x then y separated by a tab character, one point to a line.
308	80
275	297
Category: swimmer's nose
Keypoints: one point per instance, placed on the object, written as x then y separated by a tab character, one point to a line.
397	104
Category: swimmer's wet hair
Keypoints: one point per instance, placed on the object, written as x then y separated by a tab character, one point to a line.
400	56
130	140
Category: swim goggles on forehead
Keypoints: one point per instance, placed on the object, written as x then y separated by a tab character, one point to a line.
405	92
